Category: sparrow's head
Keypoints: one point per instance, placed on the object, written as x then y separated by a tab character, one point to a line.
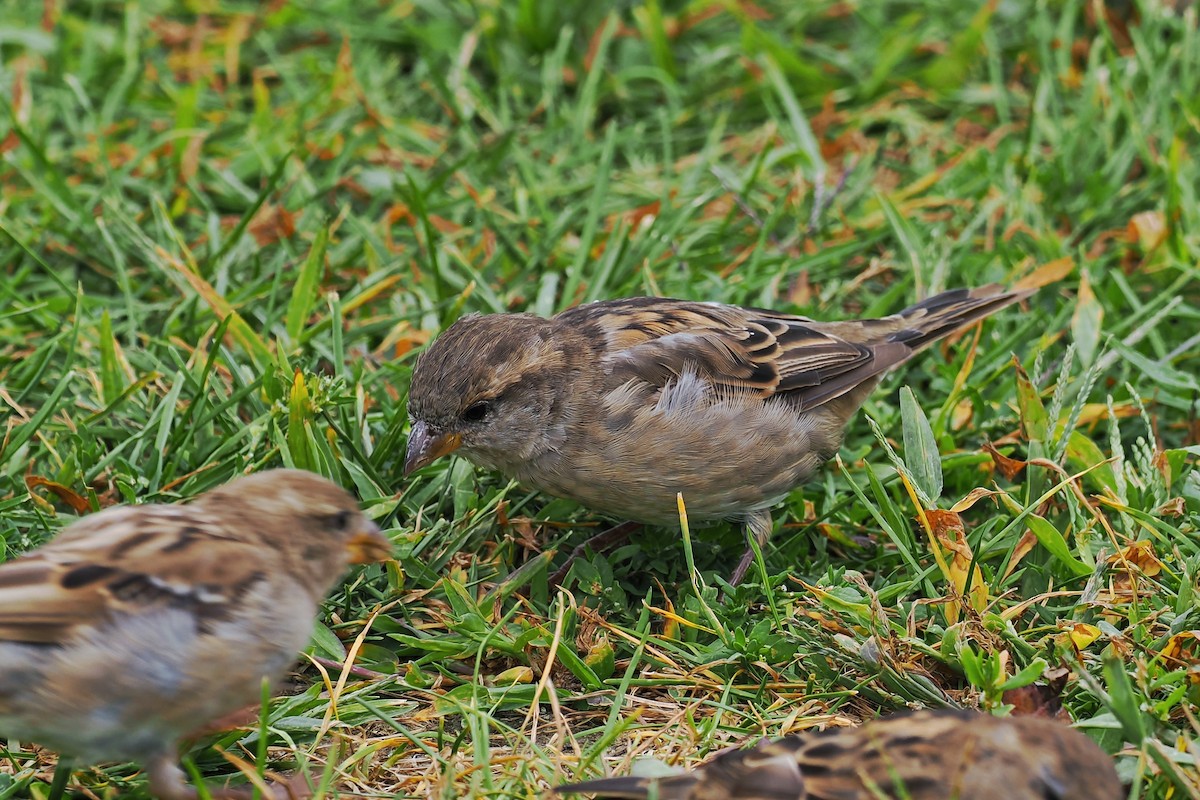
310	521
488	387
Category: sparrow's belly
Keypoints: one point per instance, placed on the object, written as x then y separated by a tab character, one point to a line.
655	501
132	689
727	457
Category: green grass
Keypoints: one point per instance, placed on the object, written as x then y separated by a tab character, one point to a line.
223	238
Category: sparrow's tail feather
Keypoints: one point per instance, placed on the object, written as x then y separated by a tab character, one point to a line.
677	787
893	340
768	771
943	314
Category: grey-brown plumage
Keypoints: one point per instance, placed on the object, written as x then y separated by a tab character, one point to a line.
138	625
621	404
926	755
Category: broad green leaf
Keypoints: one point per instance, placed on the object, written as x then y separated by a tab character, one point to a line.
921	455
1034	670
1159	372
325	642
1050	538
579	668
1034	418
1083	453
304	292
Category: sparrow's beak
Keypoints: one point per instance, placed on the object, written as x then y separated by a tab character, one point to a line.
425	447
369	545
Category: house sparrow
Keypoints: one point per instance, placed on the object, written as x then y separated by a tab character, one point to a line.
138	625
926	755
621	404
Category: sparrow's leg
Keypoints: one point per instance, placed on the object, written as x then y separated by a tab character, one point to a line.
601	542
758	525
167	780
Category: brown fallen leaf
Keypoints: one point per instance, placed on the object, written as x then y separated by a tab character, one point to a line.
77	502
1009	467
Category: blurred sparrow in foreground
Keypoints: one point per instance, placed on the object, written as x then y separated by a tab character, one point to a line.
621	404
140	624
927	755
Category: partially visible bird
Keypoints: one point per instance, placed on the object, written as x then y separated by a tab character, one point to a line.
621	404
925	755
138	625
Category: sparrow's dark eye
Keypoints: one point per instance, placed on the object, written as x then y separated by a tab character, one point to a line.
340	521
476	412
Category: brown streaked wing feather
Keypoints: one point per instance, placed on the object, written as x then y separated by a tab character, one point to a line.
892	340
930	755
631	321
33	606
906	755
633	788
655	339
924	755
810	358
766	772
124	559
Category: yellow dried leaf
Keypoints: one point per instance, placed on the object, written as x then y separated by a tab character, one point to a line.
1082	634
271	223
1147	230
1175	507
961	415
1184	646
670	629
514	675
1024	546
949	532
1046	274
973	497
1184	649
1095	412
1141	555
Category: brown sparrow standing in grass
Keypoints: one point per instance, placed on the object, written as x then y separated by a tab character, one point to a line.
621	404
926	755
138	625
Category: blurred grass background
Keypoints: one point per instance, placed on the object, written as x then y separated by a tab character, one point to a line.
227	228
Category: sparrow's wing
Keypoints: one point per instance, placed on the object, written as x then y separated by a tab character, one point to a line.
893	340
766	353
766	772
929	755
676	787
122	560
906	755
655	340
